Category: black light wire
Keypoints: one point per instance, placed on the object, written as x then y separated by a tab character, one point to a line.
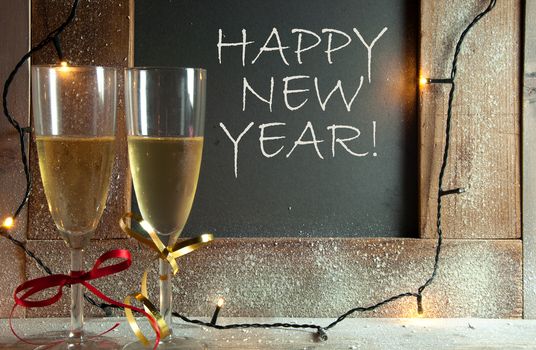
321	331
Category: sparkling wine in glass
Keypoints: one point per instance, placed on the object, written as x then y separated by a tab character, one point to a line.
74	112
165	119
165	172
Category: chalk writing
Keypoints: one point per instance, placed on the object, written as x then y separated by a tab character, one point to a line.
331	42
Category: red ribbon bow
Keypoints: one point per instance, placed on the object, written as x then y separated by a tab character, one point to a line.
58	281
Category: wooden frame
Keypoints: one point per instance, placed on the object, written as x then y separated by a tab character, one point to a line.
481	266
12	178
529	163
502	222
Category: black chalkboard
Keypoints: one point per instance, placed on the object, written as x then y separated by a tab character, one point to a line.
366	186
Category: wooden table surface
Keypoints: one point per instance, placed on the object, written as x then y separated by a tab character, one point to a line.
377	334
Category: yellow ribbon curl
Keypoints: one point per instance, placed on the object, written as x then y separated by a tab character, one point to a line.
170	254
149	308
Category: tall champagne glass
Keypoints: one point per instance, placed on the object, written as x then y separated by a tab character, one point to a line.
74	112
165	119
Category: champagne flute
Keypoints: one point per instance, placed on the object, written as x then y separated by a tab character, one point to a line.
74	111
165	120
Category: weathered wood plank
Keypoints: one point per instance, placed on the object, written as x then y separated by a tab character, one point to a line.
377	334
529	163
99	35
14	20
130	57
322	277
485	147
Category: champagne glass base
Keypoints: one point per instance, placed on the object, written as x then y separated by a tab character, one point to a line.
60	341
173	343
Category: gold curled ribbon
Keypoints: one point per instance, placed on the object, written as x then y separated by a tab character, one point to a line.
170	254
150	308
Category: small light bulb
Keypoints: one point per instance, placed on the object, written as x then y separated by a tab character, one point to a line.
217	311
8	222
423	81
64	66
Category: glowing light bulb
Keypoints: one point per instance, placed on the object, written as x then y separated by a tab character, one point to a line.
423	81
64	66
8	222
217	311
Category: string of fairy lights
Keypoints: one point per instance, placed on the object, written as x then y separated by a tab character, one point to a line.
321	331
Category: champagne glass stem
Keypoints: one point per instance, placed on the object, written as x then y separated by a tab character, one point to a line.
77	308
166	296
